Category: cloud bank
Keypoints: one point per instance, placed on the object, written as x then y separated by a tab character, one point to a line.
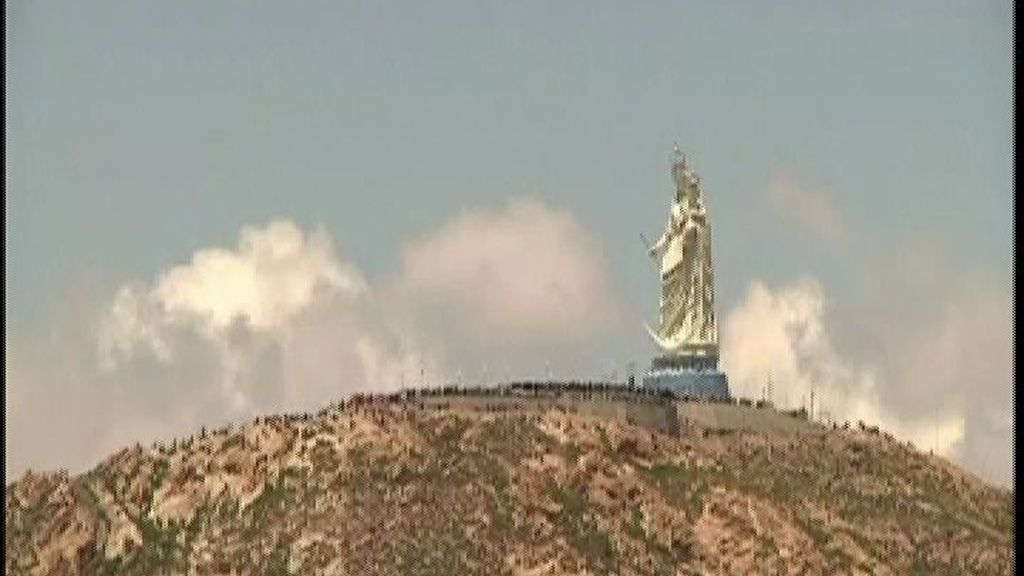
282	321
944	384
922	344
516	292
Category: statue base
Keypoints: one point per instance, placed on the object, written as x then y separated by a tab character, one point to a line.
688	377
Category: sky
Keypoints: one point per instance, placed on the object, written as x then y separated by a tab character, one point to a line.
210	207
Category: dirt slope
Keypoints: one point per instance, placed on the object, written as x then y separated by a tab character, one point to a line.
432	486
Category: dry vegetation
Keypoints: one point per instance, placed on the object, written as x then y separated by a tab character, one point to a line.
438	487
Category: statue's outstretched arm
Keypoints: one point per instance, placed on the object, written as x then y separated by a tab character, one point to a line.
661	241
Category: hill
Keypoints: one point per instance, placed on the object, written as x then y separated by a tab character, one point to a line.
526	480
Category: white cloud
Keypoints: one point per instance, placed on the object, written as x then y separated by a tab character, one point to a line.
273	275
945	385
780	333
277	323
281	322
264	285
525	268
126	328
520	287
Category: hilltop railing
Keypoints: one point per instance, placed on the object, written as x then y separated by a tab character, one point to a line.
590	390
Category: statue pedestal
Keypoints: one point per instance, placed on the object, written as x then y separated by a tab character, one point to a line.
686	376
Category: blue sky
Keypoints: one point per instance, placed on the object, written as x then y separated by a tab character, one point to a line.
138	133
866	146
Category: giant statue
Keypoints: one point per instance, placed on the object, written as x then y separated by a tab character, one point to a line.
687	335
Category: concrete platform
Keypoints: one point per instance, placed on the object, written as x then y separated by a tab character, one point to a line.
716	416
691	383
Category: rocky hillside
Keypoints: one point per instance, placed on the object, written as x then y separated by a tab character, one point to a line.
567	483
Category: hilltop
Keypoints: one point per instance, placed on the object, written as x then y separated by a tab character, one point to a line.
529	479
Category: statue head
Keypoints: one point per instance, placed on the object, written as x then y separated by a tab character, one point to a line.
680	173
